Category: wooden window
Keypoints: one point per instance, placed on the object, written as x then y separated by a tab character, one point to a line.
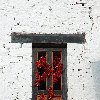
54	57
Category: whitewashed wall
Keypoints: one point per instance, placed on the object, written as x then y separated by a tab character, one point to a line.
50	16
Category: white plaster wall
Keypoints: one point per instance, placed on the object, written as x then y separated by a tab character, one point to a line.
50	16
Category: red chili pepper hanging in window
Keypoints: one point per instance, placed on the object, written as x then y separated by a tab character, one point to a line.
56	60
43	61
50	93
48	70
37	75
42	96
43	77
59	69
38	64
37	82
55	78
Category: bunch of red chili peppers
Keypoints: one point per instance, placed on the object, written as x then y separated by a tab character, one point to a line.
48	71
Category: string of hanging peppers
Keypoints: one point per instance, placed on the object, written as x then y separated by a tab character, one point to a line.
48	71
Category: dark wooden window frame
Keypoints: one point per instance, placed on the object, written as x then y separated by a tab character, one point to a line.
50	41
62	92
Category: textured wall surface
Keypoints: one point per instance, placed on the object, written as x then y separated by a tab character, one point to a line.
50	16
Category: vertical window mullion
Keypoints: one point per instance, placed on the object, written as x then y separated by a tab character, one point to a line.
49	60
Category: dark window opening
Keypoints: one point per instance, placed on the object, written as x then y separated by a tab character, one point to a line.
41	71
41	53
57	59
57	86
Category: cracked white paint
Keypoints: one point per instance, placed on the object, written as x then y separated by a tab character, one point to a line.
50	16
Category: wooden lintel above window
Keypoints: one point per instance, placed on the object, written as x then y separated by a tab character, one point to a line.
47	38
